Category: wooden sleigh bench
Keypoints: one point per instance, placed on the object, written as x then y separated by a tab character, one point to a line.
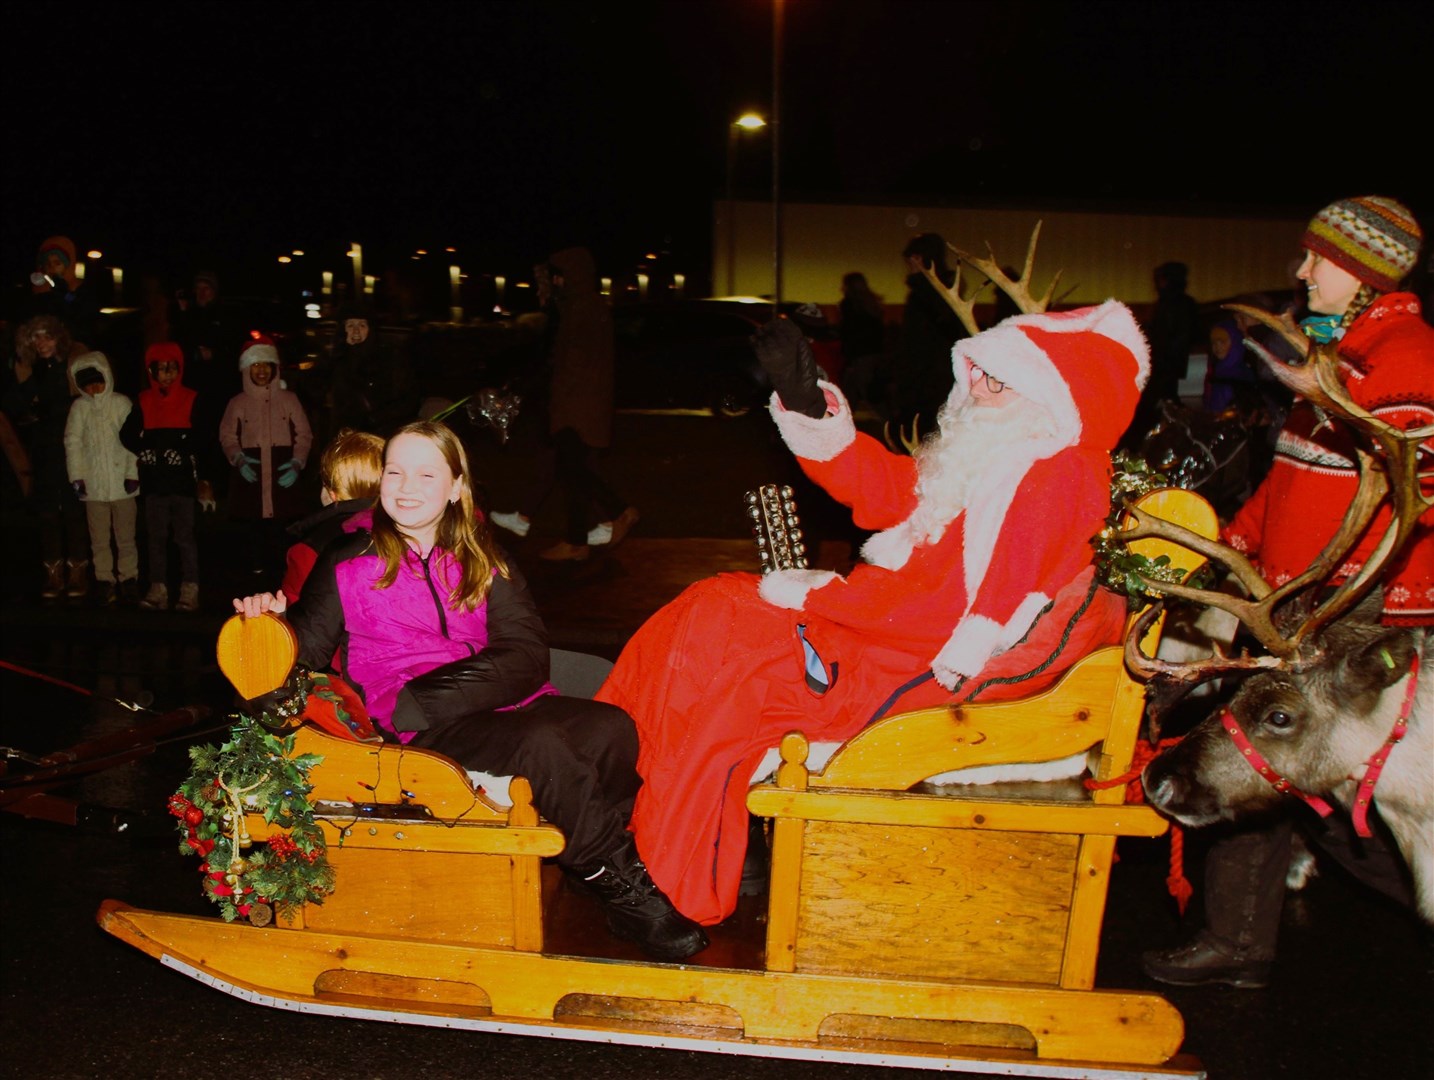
917	922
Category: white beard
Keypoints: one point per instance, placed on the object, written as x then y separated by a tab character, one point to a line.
973	446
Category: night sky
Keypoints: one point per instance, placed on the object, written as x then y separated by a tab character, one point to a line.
174	136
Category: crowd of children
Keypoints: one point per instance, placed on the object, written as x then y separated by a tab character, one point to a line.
93	459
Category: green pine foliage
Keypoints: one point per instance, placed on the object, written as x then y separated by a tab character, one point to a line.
1117	567
254	771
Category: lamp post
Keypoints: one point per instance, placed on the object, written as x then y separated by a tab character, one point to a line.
746	122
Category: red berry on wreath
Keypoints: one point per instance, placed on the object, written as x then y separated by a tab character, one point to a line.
194	815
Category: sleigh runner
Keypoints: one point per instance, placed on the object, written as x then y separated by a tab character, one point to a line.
905	925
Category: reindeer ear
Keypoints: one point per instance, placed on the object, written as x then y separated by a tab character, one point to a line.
1378	662
1370	609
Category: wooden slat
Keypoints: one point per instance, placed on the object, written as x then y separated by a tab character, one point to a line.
947	812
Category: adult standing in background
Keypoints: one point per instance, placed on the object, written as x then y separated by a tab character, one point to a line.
581	405
921	373
1174	328
57	290
863	334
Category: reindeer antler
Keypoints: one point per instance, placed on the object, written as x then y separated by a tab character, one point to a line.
1392	471
911	442
1018	290
965	307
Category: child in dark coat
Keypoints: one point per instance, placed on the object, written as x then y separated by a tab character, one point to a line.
169	450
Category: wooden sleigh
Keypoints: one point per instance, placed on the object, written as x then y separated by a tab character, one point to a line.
904	925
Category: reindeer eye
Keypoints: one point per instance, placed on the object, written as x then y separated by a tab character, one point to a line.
1279	721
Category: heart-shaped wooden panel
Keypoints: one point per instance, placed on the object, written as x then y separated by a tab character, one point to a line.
256	655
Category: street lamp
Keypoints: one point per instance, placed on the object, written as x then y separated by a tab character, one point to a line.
747	122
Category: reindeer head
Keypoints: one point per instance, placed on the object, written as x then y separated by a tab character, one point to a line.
1307	724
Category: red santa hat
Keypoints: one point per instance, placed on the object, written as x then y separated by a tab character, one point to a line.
1086	367
260	350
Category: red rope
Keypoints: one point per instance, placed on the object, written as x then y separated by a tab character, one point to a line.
1176	883
45	678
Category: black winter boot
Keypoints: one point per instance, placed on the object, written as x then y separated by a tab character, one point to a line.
1204	960
757	864
637	910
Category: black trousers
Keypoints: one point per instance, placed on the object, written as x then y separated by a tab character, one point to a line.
579	755
583	489
1245	875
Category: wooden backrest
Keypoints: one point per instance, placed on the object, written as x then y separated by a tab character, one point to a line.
1096	702
256	655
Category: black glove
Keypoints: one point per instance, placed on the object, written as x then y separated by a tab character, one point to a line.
786	357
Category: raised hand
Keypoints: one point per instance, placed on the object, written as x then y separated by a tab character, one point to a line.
785	355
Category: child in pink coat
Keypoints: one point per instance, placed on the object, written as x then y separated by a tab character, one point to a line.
266	439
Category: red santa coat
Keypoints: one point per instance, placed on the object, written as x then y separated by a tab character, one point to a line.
1388	366
722	673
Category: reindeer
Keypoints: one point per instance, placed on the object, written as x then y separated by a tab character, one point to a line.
1340	704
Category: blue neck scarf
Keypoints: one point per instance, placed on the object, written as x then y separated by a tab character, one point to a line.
1323	328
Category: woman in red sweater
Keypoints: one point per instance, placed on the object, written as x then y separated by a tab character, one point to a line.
1357	251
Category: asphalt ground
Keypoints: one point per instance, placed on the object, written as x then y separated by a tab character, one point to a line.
1349	997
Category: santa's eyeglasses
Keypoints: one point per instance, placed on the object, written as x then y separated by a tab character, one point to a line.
993	384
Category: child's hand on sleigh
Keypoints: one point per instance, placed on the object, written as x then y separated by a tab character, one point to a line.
251	607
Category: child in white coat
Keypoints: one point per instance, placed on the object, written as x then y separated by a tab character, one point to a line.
104	475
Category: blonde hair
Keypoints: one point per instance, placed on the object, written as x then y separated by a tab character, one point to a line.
25	338
461	532
352	465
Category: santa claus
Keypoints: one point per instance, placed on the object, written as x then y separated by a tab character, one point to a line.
978	581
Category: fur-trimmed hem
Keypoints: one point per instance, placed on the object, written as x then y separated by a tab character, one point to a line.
789	588
820	438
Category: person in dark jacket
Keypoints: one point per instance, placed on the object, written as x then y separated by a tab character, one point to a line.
371	387
441	638
921	373
172	476
57	290
581	406
863	334
36	397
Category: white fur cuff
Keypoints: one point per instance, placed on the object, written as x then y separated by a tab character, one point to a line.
821	438
789	588
973	642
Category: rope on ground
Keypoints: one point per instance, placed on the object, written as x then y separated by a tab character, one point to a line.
1175	882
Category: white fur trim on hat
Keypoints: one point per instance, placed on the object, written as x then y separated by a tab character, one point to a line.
816	438
789	588
258	354
1009	354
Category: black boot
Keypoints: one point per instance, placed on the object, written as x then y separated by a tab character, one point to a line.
1204	960
757	864
636	908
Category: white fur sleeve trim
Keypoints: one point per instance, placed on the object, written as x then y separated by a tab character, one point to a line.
789	588
976	639
819	438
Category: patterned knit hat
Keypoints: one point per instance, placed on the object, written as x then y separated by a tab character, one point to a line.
1374	238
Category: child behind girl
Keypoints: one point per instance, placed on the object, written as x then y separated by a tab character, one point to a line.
104	475
442	639
349	471
266	438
